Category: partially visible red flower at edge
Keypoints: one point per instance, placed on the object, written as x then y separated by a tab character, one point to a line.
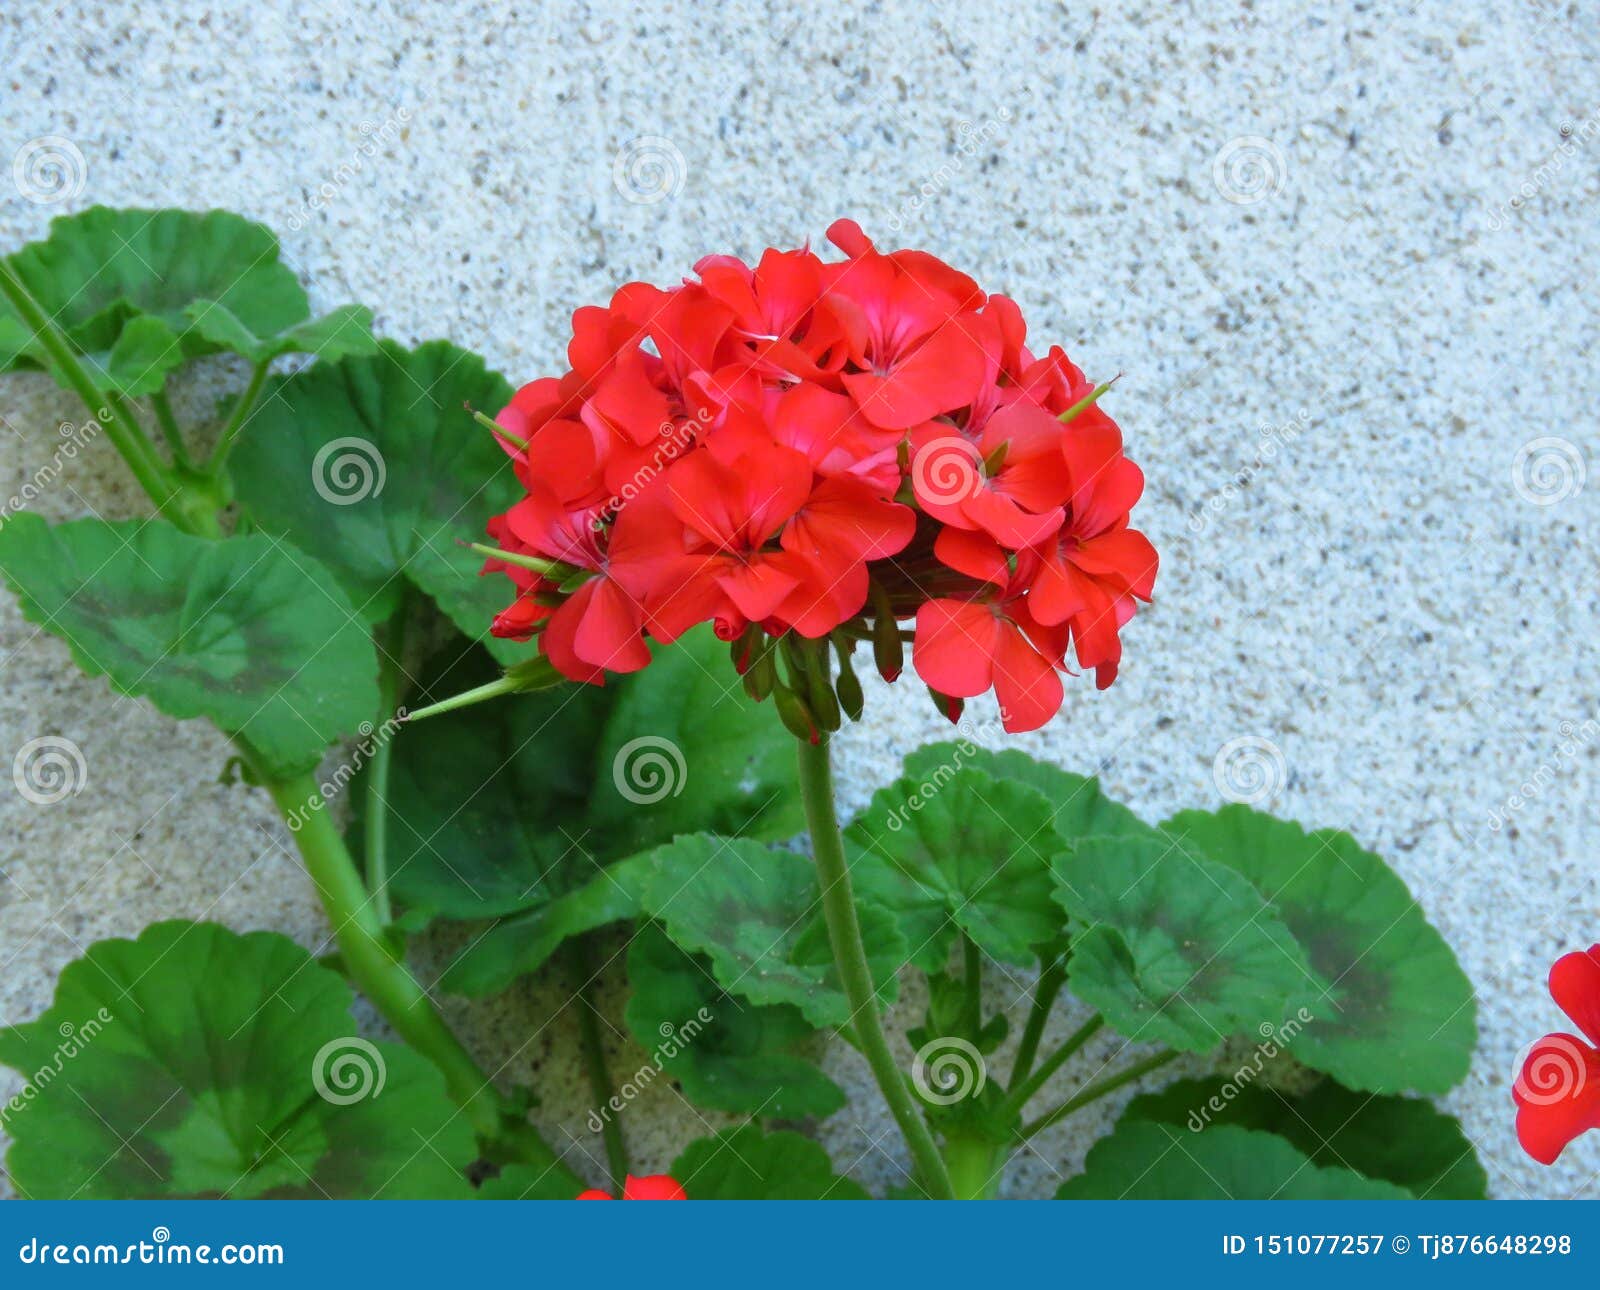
1557	1091
650	1187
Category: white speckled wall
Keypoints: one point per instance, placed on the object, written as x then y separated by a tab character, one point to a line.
1343	257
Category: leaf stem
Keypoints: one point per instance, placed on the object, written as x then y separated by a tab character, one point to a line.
375	816
170	431
850	956
383	977
1095	1091
1018	1098
1044	999
581	956
972	982
126	434
241	413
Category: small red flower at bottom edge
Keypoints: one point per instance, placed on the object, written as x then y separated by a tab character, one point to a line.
650	1187
1557	1091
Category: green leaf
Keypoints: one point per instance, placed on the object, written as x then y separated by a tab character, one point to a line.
1143	1160
962	852
1175	949
376	465
198	1062
687	751
728	1055
145	351
244	631
343	332
757	915
1403	1140
99	271
525	1182
1078	807
503	806
748	1164
517	946
1401	1014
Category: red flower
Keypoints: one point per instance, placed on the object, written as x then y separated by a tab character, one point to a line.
650	1187
828	450
1557	1091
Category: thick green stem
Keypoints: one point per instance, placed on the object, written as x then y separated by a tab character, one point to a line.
170	431
850	956
594	1062
1044	998
110	412
974	1167
382	976
1018	1096
1096	1091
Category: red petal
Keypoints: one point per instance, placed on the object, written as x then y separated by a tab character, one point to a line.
1557	1093
652	1187
1575	986
609	635
848	517
592	1194
941	375
955	646
973	553
1026	686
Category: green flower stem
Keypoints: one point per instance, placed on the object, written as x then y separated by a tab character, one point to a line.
850	955
974	1167
382	976
1018	1097
1098	1090
581	956
972	984
126	434
241	413
1044	999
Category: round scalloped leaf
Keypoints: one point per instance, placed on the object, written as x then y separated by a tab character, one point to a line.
727	1054
1079	809
1401	1014
757	915
502	807
526	1182
1143	1160
1175	949
253	635
1403	1140
103	271
748	1164
959	852
198	1062
376	465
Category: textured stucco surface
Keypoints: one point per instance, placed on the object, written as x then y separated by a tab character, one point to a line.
1328	379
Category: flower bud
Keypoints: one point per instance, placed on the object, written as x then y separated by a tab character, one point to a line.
851	699
949	706
795	714
888	651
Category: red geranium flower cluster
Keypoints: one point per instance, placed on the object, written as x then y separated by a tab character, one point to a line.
1557	1091
650	1187
803	450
